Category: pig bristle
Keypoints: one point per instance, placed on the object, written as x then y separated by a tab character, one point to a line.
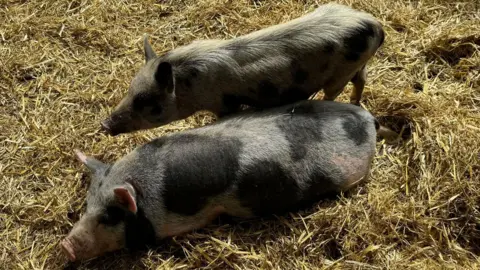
65	64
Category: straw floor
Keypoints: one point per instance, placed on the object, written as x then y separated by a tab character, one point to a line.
65	64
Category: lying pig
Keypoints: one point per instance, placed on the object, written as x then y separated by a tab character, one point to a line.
248	165
275	66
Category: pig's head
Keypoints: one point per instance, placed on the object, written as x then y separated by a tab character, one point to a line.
150	101
110	206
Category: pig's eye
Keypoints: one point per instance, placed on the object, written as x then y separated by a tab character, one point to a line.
142	101
112	216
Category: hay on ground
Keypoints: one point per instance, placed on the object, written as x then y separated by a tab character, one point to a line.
65	64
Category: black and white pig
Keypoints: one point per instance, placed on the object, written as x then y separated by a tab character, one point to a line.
246	165
278	65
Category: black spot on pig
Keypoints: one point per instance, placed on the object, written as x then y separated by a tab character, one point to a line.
300	142
321	184
300	76
323	65
356	128
193	73
329	46
266	188
156	110
112	216
209	167
267	90
139	231
185	82
356	43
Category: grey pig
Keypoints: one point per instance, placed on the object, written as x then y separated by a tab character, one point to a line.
248	165
275	66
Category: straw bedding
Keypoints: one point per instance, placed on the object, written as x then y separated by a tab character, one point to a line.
65	64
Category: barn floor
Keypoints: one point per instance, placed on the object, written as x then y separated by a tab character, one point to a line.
65	64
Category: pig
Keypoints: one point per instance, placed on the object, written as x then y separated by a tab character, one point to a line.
275	66
252	164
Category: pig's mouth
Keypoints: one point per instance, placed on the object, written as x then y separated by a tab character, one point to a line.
109	129
113	128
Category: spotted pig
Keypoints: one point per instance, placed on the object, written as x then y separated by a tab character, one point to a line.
247	165
275	66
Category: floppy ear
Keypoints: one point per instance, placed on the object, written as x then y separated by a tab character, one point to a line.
164	76
125	198
149	53
93	164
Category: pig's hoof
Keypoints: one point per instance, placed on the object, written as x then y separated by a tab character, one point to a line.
104	127
354	102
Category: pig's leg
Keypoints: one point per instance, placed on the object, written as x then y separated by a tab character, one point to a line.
332	93
177	225
359	83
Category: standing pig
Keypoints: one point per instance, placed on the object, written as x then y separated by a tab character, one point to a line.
247	165
275	66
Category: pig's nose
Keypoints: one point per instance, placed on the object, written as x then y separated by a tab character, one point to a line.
68	249
105	127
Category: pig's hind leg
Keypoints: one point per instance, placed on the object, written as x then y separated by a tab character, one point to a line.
358	83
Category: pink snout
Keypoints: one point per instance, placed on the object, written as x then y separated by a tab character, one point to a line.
105	127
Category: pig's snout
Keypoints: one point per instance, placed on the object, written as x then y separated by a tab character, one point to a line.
67	248
105	126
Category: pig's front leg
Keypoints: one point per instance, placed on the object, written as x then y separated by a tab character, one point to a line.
176	224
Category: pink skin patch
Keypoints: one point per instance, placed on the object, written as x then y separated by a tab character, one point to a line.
354	169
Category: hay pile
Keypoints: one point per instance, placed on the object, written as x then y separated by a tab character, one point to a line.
65	64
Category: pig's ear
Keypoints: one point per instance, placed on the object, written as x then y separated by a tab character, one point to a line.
93	164
164	76
149	53
124	196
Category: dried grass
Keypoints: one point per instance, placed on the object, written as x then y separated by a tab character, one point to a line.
65	64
